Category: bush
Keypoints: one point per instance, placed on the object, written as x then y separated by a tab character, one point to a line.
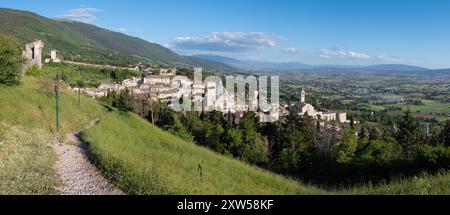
35	71
432	157
11	60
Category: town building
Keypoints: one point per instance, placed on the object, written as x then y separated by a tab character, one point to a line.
53	58
305	108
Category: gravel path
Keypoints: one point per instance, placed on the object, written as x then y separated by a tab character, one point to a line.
78	176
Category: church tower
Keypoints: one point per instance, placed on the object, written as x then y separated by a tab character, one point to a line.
302	96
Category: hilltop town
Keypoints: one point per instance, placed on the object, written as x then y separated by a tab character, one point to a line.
162	84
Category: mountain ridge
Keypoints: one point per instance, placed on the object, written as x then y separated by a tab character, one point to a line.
89	43
265	65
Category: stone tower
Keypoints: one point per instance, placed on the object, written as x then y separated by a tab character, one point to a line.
33	52
33	55
302	96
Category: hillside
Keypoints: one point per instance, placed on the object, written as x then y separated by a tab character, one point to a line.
27	125
88	43
156	161
209	64
125	44
137	156
143	159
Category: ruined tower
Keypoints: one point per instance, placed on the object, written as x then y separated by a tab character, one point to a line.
33	54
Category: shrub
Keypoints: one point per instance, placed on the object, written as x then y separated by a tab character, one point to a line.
34	71
11	60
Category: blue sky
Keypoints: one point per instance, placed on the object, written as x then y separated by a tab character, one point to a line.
353	32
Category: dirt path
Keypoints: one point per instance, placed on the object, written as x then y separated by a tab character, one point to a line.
78	176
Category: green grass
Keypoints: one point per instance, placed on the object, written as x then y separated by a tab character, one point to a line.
142	159
32	105
25	162
428	106
27	124
424	184
373	107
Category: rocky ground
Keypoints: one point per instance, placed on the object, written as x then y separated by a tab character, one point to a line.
78	176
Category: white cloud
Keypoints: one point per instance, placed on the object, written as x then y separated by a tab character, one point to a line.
389	58
121	30
291	50
226	42
325	53
84	14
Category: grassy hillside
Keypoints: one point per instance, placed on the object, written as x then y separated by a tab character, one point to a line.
27	27
25	161
424	184
142	159
125	44
32	105
27	124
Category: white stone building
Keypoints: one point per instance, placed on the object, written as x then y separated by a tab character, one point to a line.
158	79
305	108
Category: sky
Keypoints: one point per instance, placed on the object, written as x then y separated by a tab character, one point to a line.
351	32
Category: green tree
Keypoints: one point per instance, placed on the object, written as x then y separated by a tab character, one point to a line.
234	139
347	147
124	101
409	134
446	134
352	122
179	130
255	149
364	133
11	60
375	133
309	131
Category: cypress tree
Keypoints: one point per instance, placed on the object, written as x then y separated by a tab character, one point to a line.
409	134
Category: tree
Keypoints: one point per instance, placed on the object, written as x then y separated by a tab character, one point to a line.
364	133
409	134
446	133
255	146
124	101
234	139
11	60
347	147
352	123
375	133
309	131
179	130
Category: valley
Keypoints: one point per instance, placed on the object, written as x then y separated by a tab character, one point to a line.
92	113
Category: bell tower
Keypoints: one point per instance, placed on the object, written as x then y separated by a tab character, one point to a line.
302	96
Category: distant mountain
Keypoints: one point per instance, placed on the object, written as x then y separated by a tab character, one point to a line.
396	67
255	65
225	60
85	42
290	66
209	64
